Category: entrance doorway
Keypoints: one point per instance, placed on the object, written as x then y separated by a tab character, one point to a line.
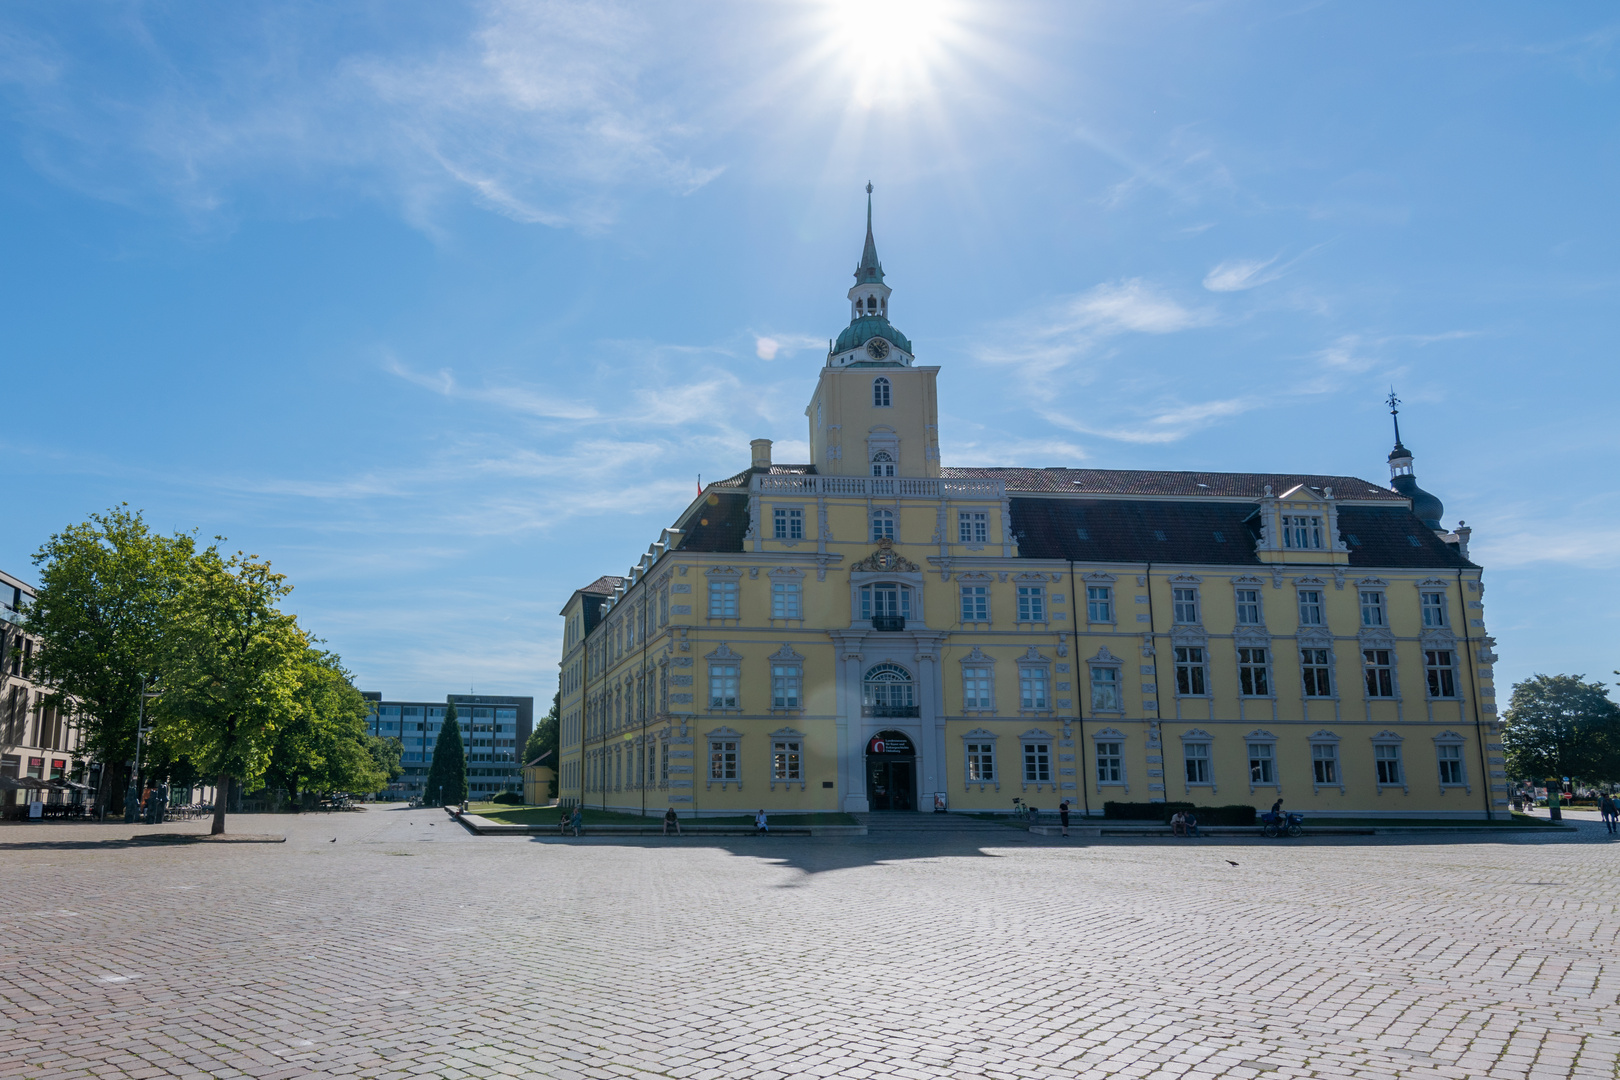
891	772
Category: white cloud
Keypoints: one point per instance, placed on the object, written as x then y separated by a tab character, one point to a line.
765	348
1235	275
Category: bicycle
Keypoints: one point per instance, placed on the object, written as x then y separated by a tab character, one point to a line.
1274	825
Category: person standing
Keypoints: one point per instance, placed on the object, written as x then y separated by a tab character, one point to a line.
578	821
1609	812
761	826
671	821
1063	816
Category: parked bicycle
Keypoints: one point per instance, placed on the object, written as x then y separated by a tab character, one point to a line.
1274	825
1025	812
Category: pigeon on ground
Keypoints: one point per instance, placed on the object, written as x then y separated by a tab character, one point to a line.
334	840
1230	862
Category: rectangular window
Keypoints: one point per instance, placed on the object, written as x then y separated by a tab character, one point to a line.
36	768
722	686
1434	608
981	762
1184	605
976	688
1310	607
1037	763
1437	663
1372	609
882	525
1196	757
1380	673
1302	532
1110	763
1325	763
975	603
1387	762
1099	603
785	680
789	523
785	599
1105	689
1451	766
1032	688
973	527
722	759
722	599
1253	680
1031	603
1317	672
785	760
1248	607
1189	670
1261	768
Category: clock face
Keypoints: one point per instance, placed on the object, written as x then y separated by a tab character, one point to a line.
877	348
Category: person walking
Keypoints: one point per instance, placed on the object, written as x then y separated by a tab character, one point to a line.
1063	816
761	826
671	822
1609	811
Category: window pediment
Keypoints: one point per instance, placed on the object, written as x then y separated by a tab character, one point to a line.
1260	735
1097	577
1186	579
785	572
1105	657
1035	734
1197	735
977	656
785	655
722	733
1033	656
723	572
1248	579
1310	582
1451	738
1373	583
1324	736
722	653
787	733
1387	736
979	734
1111	734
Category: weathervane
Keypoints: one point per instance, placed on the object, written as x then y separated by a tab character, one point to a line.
1392	401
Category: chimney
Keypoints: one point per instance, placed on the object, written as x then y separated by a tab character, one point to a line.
762	453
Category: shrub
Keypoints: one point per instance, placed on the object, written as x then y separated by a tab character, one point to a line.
508	798
1142	811
1225	815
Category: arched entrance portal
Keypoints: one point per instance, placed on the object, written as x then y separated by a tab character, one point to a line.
891	772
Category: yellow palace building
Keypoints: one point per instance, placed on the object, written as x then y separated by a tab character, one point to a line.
876	631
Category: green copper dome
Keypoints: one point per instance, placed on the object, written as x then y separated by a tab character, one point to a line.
867	327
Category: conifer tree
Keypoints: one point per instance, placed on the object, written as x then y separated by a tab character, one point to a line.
447	775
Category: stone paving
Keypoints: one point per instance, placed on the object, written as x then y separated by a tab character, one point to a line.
407	948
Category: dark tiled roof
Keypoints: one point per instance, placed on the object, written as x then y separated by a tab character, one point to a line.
741	479
1218	533
604	585
717	524
1160	483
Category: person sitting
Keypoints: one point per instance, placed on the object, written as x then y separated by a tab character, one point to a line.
761	826
671	822
1178	823
1192	823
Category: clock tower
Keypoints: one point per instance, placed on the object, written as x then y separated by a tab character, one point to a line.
875	412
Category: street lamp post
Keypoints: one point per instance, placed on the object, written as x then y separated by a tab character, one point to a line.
132	797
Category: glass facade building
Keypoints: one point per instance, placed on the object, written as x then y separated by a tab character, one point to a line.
494	730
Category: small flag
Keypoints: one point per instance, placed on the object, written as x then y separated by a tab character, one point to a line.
700	484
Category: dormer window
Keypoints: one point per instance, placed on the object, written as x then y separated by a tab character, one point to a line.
1302	532
880	394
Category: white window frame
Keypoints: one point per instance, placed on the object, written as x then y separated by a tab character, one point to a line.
1371	665
1307	660
1316	606
1455	745
1387	748
987	667
980	608
1113	680
1197	738
884	525
973	527
721	670
1115	740
787	522
1436	673
1032	604
882	393
1100	604
1253	669
1374	606
1260	748
1034	753
787	598
724	758
979	748
1184	602
1302	532
719	590
787	676
1325	750
787	758
1030	677
1254	604
1197	670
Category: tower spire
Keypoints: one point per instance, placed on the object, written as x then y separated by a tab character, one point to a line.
1427	507
1395	414
870	272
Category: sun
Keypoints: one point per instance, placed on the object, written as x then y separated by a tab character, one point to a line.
890	51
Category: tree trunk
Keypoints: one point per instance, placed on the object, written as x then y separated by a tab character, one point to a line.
222	790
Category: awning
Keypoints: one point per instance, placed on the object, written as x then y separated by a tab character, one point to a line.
23	783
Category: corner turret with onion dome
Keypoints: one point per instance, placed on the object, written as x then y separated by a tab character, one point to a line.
870	340
1427	507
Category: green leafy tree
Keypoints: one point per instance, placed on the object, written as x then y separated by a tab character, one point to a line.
1561	725
544	736
386	754
232	664
323	745
447	774
105	587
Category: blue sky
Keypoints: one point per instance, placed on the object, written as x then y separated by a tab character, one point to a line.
442	307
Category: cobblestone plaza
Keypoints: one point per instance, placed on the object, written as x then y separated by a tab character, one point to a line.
407	948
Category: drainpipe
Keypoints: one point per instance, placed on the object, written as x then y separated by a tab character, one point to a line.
1153	637
1079	710
1473	681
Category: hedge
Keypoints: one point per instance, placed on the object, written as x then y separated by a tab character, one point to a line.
1241	814
508	798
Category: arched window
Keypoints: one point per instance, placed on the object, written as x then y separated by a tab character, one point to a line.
880	393
886	691
882	525
882	465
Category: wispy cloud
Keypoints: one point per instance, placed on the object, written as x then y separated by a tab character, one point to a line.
1055	335
1235	275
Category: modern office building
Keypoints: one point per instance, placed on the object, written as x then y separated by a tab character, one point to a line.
875	630
494	730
